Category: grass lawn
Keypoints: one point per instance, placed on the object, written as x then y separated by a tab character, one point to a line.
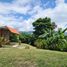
16	57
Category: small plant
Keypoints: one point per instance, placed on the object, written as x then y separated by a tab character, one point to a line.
41	43
27	47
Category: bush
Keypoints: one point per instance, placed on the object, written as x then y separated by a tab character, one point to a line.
26	38
55	41
13	38
40	43
62	45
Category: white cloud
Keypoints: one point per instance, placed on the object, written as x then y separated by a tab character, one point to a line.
11	20
59	2
57	14
14	7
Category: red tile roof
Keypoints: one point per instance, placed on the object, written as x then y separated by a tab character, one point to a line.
12	30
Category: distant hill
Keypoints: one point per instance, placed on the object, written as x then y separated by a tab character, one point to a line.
27	32
31	32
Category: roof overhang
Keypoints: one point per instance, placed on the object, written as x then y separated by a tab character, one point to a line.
12	30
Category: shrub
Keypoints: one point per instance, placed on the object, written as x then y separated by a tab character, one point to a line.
13	38
26	38
40	43
3	41
62	45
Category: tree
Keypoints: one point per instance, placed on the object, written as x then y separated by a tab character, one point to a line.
47	37
56	39
41	25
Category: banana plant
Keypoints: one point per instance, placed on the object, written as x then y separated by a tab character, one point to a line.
55	39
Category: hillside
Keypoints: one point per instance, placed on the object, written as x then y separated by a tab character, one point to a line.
16	57
26	32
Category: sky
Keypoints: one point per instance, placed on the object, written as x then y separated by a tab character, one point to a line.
20	14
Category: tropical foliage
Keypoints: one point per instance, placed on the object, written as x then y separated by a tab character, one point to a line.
25	38
47	37
41	25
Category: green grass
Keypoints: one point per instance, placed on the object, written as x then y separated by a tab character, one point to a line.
16	57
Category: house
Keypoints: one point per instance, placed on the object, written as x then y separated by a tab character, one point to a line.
6	32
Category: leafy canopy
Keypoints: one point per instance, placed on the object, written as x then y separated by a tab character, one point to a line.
41	25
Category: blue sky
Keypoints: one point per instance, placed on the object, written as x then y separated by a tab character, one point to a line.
21	13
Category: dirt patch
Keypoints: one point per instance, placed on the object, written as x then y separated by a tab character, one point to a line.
15	46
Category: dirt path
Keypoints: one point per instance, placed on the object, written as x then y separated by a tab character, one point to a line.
15	46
